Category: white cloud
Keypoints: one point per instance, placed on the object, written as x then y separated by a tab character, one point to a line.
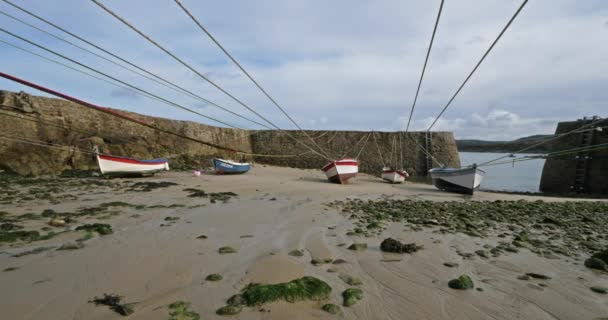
494	125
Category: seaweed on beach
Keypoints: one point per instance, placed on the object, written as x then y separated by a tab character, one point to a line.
180	310
147	186
214	277
305	288
113	301
212	196
546	228
32	251
351	296
21	235
101	228
16	189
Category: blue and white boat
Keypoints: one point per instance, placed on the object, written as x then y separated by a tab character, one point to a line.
230	167
459	180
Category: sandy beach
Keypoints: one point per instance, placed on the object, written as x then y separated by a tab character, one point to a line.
156	255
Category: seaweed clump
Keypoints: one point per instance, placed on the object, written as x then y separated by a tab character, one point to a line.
229	310
213	196
22	235
224	250
463	282
148	186
350	280
255	294
180	310
331	308
214	277
598	260
351	296
101	228
113	301
392	245
545	228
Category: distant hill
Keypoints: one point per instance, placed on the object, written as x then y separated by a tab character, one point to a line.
506	146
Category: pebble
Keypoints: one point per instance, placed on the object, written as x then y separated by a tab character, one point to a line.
57	222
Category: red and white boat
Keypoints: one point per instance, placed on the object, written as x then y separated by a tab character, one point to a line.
394	176
113	165
340	171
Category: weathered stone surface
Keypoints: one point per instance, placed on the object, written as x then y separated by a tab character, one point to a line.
559	172
88	128
274	142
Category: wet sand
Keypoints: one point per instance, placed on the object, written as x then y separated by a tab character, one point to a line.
278	210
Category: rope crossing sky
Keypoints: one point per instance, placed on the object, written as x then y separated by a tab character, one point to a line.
200	25
479	63
152	76
126	23
116	79
426	60
77	70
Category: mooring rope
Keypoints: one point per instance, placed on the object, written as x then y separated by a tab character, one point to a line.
156	78
171	103
426	60
558	136
378	148
506	27
182	62
276	104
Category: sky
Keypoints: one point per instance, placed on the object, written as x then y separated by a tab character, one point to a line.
335	65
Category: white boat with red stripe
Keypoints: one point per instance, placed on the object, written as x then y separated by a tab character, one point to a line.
340	171
393	175
114	165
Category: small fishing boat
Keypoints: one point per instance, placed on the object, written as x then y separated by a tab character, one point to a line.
463	180
340	171
223	166
123	166
394	176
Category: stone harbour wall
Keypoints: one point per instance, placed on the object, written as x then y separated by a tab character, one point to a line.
559	172
21	114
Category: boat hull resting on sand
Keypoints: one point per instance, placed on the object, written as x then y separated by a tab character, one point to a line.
341	171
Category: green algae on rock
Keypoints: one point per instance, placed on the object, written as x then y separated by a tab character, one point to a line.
351	296
350	280
305	288
395	246
545	228
331	308
598	260
214	277
180	310
229	310
463	282
101	228
227	249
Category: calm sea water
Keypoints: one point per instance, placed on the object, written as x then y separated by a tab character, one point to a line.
524	176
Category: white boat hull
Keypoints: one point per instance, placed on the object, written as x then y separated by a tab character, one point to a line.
464	180
394	176
122	165
340	171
